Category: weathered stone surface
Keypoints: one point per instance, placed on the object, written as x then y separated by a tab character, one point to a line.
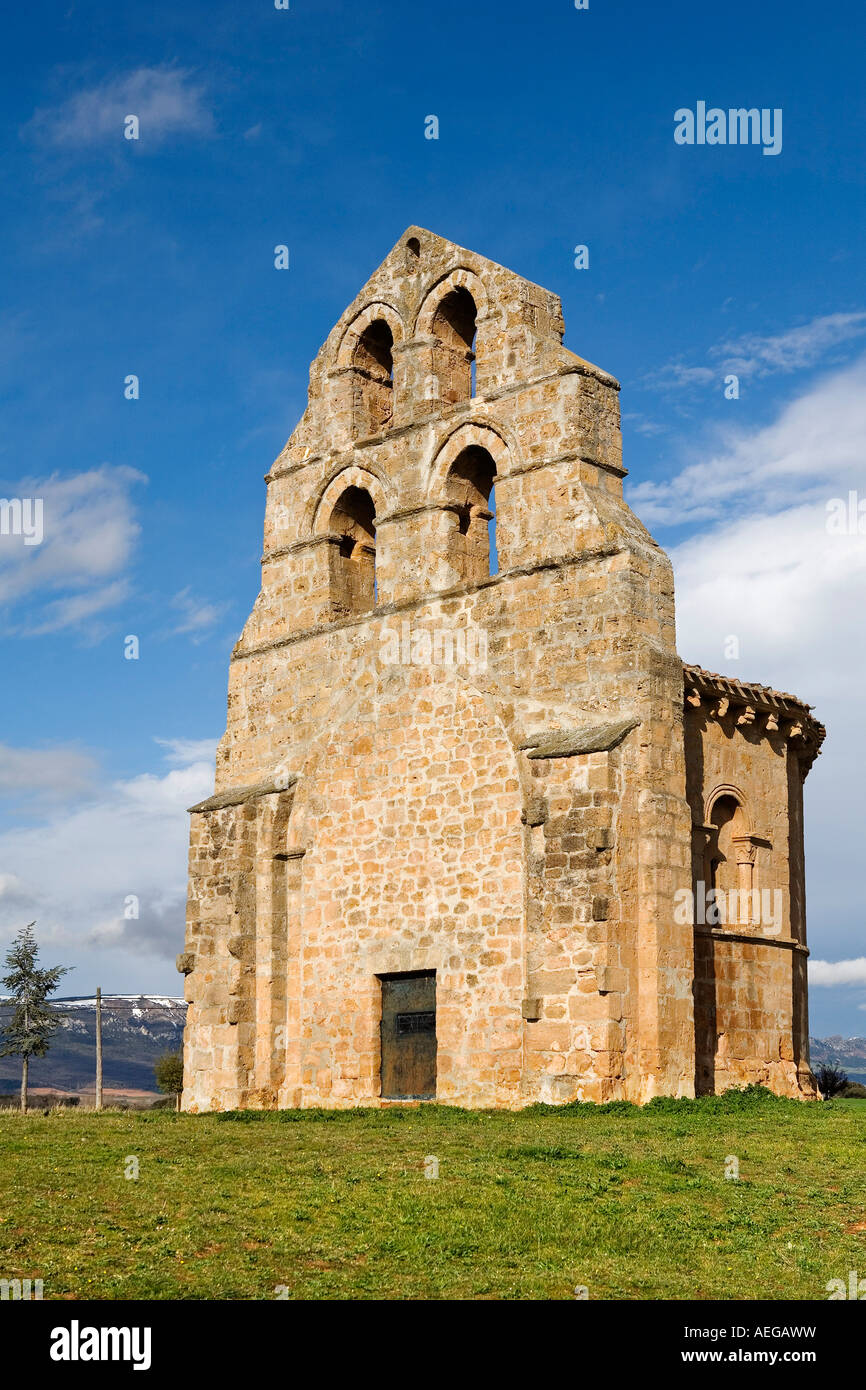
508	778
236	796
600	739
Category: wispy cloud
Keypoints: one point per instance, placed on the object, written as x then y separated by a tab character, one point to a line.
79	609
755	354
167	100
183	751
641	424
89	537
57	772
817	440
761	355
678	374
196	616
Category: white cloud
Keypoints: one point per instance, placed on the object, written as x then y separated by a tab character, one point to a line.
79	608
167	101
60	772
197	616
74	871
89	535
756	354
792	594
182	751
674	375
764	569
641	424
764	354
840	972
12	890
814	450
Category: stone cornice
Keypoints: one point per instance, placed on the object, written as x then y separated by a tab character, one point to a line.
722	934
236	796
576	368
600	738
386	610
746	704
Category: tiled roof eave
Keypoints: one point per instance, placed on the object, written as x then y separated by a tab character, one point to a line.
762	698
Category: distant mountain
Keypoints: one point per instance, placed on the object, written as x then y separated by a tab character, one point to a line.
136	1030
848	1053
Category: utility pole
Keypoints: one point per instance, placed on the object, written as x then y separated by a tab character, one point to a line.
98	1105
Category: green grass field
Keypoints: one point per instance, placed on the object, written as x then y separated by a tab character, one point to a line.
630	1203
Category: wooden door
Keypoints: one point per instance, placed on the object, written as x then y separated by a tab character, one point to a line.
408	1033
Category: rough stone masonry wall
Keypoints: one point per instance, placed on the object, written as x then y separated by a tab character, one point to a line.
582	958
374	815
411	824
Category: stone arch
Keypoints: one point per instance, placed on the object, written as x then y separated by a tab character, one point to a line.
727	789
345	517
462	479
736	1023
371	478
731	849
366	359
447	326
352	524
376	309
458	278
472	433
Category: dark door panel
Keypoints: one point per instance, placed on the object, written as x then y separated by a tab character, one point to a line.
409	1036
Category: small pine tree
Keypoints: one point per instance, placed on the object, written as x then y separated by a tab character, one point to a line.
33	1022
169	1074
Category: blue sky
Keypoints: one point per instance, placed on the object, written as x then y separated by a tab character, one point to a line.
306	127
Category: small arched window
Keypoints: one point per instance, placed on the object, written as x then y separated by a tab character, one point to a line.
353	555
469	489
731	860
373	380
453	353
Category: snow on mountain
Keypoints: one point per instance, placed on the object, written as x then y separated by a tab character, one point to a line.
136	1030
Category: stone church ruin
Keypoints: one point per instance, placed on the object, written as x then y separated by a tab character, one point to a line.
478	834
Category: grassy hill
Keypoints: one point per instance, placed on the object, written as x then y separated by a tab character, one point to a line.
627	1202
